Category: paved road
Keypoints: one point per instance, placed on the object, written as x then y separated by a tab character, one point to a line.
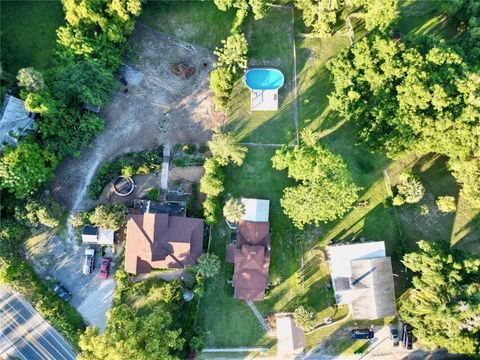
24	334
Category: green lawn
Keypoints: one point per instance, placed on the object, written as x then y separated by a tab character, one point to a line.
269	46
27	35
197	22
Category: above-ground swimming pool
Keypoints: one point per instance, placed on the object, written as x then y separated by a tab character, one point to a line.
264	79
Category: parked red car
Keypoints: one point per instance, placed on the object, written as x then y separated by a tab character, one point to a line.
104	268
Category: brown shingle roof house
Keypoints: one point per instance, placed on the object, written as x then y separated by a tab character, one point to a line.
251	257
160	241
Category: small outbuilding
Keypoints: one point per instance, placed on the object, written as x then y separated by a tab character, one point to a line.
290	338
97	236
15	121
256	210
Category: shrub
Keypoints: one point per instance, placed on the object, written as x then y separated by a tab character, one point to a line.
153	194
202	149
127	171
424	210
189	148
410	189
304	318
446	204
30	79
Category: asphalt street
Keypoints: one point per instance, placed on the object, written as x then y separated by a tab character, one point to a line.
25	335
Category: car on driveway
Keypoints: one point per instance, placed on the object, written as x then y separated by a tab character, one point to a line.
104	267
88	261
62	291
408	336
360	334
393	334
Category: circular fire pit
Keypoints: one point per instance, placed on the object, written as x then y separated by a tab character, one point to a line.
123	185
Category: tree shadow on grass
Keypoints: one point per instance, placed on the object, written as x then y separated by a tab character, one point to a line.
470	236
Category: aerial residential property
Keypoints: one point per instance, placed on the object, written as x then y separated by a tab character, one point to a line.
251	252
362	279
248	179
160	241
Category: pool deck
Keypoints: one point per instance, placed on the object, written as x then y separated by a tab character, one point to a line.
264	100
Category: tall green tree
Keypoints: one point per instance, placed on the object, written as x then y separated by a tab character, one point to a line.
234	210
129	336
443	306
111	216
86	81
419	96
323	15
325	189
259	7
24	168
233	53
225	149
207	265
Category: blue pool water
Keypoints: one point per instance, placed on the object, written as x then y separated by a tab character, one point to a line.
264	79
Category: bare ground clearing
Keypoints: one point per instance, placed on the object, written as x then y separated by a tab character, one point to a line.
162	109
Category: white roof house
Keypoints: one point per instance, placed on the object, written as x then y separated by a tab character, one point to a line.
290	338
96	235
15	121
256	210
362	277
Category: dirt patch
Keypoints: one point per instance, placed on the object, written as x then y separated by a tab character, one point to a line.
189	173
162	109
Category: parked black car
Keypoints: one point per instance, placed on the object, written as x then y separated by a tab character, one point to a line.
393	333
359	334
62	292
408	336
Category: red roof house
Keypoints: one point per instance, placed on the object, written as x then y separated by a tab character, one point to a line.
251	257
160	241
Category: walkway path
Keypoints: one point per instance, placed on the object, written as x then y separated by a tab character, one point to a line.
165	167
259	316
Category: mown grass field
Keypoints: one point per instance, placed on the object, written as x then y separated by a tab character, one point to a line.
197	22
28	34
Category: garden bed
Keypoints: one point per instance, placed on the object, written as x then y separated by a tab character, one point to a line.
142	162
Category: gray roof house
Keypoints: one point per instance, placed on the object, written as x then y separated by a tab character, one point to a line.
362	278
15	121
97	235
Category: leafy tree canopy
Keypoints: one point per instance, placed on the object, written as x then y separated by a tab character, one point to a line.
259	7
23	169
325	190
322	15
233	210
405	99
128	336
111	216
444	306
225	149
207	265
233	53
30	79
84	82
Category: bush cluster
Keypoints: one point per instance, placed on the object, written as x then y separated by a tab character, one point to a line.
136	163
